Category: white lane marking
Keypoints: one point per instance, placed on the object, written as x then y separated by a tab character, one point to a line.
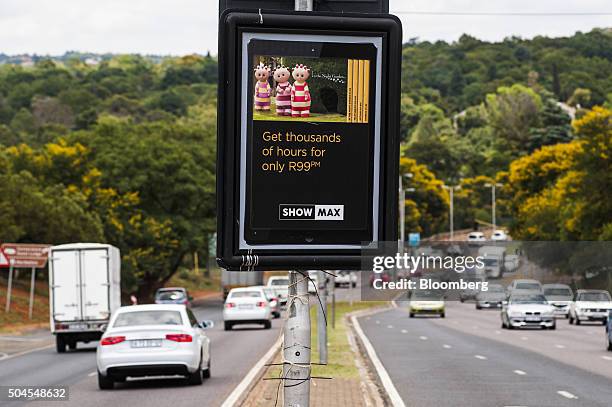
92	374
607	357
566	394
445	346
524	338
520	372
560	346
423	338
392	393
390	326
480	357
244	385
25	352
3	355
404	331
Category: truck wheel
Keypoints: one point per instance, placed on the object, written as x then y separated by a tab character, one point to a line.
105	382
60	344
267	324
227	326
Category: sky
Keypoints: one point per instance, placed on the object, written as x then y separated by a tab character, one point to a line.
180	27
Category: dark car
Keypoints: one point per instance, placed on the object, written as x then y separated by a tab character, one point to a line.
173	295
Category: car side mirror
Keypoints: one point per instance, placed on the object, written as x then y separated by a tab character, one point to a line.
207	324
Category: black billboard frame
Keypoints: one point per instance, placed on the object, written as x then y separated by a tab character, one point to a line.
231	26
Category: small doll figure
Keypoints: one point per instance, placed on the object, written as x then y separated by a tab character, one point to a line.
262	87
300	95
283	91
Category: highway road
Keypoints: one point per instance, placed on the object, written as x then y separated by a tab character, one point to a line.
233	355
468	355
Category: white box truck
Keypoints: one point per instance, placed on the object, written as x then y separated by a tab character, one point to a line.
493	259
84	285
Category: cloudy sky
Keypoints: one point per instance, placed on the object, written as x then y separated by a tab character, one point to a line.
187	26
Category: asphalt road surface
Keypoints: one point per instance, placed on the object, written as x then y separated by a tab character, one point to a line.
467	360
233	355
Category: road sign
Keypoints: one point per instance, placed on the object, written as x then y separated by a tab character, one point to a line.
22	255
414	239
308	135
3	260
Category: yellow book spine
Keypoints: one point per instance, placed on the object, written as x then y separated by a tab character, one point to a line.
360	93
355	88
349	91
366	91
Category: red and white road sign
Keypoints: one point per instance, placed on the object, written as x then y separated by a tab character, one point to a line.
3	260
22	255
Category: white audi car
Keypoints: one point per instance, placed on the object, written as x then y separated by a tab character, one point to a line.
528	310
590	305
247	305
153	340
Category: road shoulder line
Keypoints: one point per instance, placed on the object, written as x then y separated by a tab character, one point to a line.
387	384
254	374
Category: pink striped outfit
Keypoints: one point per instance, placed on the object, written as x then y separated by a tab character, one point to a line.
300	100
283	99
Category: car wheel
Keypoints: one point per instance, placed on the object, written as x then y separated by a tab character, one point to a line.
442	315
227	326
104	382
354	285
206	372
553	327
604	322
609	345
478	306
503	325
571	320
72	345
461	299
60	344
195	378
577	321
412	315
267	324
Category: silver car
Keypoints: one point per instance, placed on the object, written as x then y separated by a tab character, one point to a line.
559	296
494	297
528	310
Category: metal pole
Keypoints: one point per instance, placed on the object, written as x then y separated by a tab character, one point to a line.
403	218
493	207
452	225
321	325
296	344
32	282
334	302
9	288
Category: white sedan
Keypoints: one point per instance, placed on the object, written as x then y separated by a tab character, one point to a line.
590	305
153	340
247	305
528	310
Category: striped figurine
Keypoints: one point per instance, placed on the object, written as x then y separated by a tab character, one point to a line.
283	91
300	94
262	87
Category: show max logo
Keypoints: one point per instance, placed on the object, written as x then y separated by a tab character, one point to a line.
310	212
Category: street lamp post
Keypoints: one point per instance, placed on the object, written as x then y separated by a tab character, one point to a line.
493	186
451	191
402	208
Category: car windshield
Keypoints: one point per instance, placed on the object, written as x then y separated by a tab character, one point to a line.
496	289
245	294
596	297
170	295
527	286
561	292
280	281
427	295
528	299
136	318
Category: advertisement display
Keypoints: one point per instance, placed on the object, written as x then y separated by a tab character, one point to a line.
313	137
